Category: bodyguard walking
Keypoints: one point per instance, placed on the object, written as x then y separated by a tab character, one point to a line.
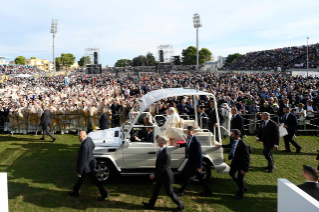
45	123
193	151
164	177
239	154
269	135
290	122
86	165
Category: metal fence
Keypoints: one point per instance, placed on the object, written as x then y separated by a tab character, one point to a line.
62	123
67	123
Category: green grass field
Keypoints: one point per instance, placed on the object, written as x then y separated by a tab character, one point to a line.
41	173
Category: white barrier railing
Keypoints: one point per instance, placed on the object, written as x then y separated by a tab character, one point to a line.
3	193
293	199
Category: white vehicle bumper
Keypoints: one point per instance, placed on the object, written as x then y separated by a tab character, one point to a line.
222	168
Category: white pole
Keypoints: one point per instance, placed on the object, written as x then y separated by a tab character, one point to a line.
307	56
197	57
54	66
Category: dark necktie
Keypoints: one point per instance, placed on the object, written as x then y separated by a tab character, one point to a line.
233	117
159	152
232	149
264	124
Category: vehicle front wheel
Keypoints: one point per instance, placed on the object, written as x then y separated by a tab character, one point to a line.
104	171
205	172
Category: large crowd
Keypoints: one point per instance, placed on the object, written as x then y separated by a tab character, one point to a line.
285	58
19	69
115	94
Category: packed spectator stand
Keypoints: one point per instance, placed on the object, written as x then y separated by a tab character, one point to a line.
19	69
286	58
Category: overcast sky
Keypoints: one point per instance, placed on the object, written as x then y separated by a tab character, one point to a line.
125	29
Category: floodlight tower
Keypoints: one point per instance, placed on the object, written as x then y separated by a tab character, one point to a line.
54	29
197	24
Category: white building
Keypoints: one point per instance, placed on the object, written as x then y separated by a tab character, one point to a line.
221	60
3	62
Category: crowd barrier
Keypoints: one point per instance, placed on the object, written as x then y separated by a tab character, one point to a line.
66	123
62	123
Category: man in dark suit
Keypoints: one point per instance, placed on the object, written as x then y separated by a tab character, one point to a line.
211	113
269	135
193	152
290	122
183	108
282	105
311	186
239	154
86	165
202	118
103	121
312	111
237	121
148	136
45	123
164	176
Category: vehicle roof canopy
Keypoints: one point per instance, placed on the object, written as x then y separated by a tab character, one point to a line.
154	96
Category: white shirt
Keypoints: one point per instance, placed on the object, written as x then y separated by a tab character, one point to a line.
309	107
161	149
308	181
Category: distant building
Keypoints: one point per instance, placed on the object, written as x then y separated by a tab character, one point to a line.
42	64
3	62
12	62
221	61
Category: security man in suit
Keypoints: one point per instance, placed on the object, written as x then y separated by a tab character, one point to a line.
103	121
202	118
311	186
86	165
290	122
148	136
269	135
45	123
237	121
164	176
193	151
239	154
211	113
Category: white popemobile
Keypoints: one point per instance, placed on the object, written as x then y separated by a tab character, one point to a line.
117	155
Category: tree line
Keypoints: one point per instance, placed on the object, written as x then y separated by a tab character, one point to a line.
188	58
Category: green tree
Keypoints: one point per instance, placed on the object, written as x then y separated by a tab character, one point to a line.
20	60
84	60
139	61
151	61
33	58
123	63
58	63
232	57
189	55
204	55
67	60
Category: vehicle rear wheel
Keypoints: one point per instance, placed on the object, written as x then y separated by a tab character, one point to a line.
104	171
205	172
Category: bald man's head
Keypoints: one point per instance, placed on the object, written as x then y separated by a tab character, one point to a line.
82	136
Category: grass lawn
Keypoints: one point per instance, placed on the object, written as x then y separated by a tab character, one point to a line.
41	173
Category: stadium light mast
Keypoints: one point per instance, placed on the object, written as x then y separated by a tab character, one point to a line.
197	24
307	56
54	29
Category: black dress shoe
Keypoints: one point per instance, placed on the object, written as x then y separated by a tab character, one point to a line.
102	198
286	150
73	193
237	196
53	140
148	205
179	194
271	169
298	150
205	193
179	209
41	139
